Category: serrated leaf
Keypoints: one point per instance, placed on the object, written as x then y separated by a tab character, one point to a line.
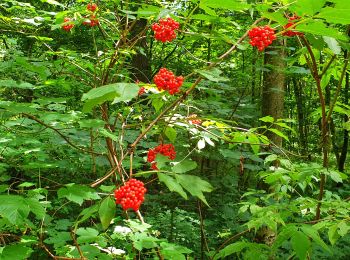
319	28
77	193
170	132
86	235
313	233
231	249
105	133
14	208
212	75
267	119
279	133
184	166
106	211
194	185
300	244
172	184
18	252
332	44
335	15
117	92
232	5
254	142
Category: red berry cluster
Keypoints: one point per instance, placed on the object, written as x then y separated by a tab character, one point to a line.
290	25
164	149
131	195
194	120
69	26
91	7
142	91
91	21
165	29
261	37
166	80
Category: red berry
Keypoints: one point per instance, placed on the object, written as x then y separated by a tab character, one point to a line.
164	149
142	91
194	120
130	195
92	21
164	31
290	26
69	26
166	80
261	37
91	7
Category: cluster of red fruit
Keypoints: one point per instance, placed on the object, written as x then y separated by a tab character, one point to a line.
90	21
164	149
261	37
68	26
290	25
194	120
165	29
166	80
131	195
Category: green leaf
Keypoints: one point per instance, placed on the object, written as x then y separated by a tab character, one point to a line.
319	28
107	211
335	15
194	185
172	184
279	133
212	74
285	233
18	252
117	92
36	207
106	133
77	193
87	235
14	208
333	234
267	119
300	244
309	7
184	166
332	44
313	233
254	142
173	251
170	132
232	5
231	249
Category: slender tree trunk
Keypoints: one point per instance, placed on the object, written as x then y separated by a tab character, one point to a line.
272	103
344	148
303	143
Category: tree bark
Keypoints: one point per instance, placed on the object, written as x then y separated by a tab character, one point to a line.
274	86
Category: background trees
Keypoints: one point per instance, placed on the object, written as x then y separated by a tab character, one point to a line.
76	124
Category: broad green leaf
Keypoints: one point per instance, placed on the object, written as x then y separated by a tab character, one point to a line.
14	208
335	15
107	211
36	207
343	228
213	74
194	185
87	235
309	7
157	103
172	184
18	252
333	234
319	28
254	142
77	193
117	92
284	235
313	233
279	133
231	249
170	132
173	251
87	213
300	244
267	119
9	83
231	154
184	166
332	44
105	133
232	5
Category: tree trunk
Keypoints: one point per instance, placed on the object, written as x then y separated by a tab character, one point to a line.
272	103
